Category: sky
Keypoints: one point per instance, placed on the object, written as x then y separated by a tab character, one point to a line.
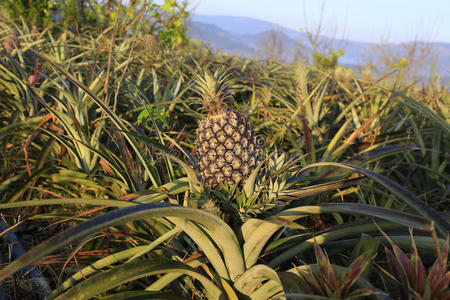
358	20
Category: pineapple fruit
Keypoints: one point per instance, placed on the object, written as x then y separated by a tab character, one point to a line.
10	43
227	149
152	45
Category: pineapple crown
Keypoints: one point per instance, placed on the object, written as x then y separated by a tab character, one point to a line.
213	89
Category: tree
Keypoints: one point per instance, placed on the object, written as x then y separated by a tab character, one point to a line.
273	44
35	12
167	20
410	58
321	39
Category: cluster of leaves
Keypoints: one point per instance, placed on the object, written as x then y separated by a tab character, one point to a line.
100	139
328	61
37	12
167	19
325	281
409	279
173	16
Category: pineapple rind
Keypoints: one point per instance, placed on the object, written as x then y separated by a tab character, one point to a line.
227	148
152	45
10	43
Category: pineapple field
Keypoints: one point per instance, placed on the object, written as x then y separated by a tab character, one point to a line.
138	164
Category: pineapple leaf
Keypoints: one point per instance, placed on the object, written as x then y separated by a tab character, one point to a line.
292	284
399	274
417	266
357	294
214	89
316	284
249	186
253	277
408	197
326	271
354	271
130	271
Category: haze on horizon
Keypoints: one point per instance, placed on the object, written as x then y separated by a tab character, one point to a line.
363	21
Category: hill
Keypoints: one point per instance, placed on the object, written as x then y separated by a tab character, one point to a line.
244	36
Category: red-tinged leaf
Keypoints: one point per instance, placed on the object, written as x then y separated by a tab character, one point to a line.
438	271
326	271
395	266
418	268
419	272
399	274
354	271
403	259
435	273
315	284
440	286
321	282
363	292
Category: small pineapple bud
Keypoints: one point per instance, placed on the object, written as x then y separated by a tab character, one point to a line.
152	45
11	42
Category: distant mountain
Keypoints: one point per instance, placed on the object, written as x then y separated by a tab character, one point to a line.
218	38
242	44
239	25
243	36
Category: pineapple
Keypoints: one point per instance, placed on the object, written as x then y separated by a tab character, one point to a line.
10	43
227	150
152	45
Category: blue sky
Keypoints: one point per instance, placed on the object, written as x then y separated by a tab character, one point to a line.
363	20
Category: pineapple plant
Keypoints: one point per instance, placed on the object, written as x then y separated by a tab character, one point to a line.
226	145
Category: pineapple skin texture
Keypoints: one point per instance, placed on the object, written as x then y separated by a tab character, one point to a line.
10	42
152	45
227	148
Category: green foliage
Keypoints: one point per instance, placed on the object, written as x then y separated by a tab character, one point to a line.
75	13
44	13
172	17
36	12
96	140
327	61
167	19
